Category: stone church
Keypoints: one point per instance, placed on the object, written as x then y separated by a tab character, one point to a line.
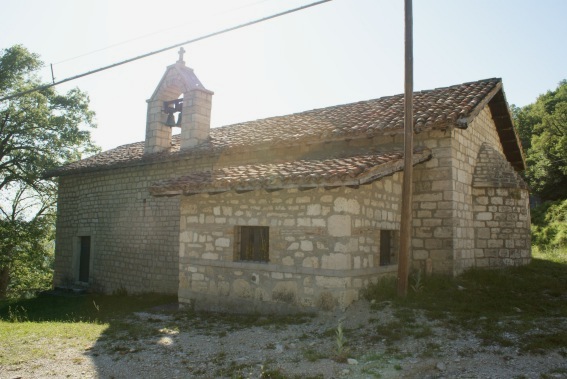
293	212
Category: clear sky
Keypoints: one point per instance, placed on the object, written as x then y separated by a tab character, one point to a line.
335	53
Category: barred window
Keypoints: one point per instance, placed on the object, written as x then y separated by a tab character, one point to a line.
253	243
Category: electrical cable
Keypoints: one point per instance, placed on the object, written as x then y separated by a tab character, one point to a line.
151	34
240	26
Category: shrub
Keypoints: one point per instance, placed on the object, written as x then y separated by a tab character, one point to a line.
549	224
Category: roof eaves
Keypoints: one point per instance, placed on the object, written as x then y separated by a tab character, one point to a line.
420	155
369	176
463	122
507	132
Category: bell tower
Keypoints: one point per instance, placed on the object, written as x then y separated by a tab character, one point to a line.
180	100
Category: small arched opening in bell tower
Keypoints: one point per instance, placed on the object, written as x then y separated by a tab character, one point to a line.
174	111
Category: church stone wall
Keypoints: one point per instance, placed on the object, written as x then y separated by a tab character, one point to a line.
323	243
501	212
444	202
502	227
134	236
323	246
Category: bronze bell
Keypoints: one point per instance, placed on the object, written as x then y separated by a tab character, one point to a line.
170	120
179	119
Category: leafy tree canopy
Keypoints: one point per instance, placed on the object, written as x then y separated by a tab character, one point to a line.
38	131
543	130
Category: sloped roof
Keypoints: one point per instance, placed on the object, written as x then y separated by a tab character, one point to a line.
185	76
346	171
433	109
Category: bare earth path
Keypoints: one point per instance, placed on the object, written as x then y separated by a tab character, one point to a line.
178	344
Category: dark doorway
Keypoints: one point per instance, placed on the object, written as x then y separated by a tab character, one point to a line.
85	259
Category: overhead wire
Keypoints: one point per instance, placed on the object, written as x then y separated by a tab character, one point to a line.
223	31
152	34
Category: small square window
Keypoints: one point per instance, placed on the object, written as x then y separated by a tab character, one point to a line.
253	243
388	247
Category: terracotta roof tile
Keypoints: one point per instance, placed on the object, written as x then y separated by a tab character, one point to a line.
438	108
345	171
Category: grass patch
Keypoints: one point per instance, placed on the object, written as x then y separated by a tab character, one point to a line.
83	308
235	370
502	306
398	330
541	342
313	355
39	327
25	341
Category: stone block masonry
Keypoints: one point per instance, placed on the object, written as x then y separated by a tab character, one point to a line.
324	246
446	201
470	210
501	212
134	236
502	227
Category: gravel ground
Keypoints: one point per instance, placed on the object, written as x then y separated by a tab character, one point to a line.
177	344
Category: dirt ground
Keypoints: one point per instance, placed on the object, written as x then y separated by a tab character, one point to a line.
165	343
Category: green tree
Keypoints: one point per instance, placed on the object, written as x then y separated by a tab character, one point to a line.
542	127
27	264
38	131
549	224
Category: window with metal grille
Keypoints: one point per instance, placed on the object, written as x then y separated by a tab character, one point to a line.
253	243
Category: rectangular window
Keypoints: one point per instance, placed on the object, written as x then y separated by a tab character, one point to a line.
388	247
84	259
253	243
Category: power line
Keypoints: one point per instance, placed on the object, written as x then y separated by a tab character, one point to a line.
151	34
240	26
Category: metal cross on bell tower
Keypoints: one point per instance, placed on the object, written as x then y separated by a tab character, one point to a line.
181	52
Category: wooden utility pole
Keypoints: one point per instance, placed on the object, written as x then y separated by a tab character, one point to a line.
406	216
